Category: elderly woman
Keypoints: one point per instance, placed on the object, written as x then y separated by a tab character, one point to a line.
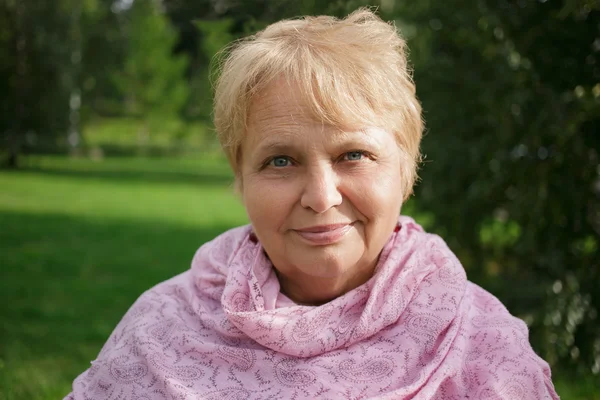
328	293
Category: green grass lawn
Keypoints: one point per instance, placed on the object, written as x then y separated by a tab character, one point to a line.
81	240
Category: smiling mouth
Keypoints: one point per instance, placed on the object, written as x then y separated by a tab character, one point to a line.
322	235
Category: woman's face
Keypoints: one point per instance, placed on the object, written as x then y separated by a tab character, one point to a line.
322	202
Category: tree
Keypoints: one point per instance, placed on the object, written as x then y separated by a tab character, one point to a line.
52	53
35	95
512	105
152	81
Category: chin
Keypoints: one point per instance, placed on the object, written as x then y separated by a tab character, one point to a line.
324	263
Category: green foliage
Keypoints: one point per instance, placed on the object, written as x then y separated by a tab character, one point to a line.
51	54
34	83
215	35
103	52
106	136
512	105
152	80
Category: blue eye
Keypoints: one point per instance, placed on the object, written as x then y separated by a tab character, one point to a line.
279	161
353	155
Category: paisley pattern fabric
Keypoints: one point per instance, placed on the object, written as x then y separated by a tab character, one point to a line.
222	330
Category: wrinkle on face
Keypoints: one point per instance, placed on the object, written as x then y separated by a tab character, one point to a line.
321	186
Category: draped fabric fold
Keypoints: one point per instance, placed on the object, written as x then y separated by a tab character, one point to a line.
222	330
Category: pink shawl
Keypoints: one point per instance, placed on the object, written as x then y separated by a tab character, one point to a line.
222	330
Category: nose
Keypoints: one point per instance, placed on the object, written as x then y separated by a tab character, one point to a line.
321	189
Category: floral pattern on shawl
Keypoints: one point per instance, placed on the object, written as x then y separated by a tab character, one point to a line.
416	330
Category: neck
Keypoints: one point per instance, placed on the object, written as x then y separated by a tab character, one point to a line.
316	291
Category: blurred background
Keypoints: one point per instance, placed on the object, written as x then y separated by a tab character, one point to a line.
112	177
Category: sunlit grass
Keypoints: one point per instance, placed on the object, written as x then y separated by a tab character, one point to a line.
80	241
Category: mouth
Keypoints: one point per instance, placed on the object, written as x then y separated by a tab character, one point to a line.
322	235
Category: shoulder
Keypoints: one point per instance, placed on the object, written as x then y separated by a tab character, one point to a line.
163	317
161	304
218	252
498	359
210	264
492	347
428	244
181	291
169	303
152	324
485	315
428	257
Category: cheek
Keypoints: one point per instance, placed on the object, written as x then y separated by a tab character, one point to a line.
377	196
267	203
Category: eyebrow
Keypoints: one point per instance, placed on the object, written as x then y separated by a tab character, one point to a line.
357	138
274	146
279	145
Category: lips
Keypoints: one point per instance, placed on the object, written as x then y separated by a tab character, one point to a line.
321	235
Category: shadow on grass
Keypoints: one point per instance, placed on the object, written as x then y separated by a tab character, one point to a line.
66	282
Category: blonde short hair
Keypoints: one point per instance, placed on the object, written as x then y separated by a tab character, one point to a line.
353	72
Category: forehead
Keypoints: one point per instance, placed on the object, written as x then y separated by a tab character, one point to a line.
280	118
281	114
280	102
284	113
